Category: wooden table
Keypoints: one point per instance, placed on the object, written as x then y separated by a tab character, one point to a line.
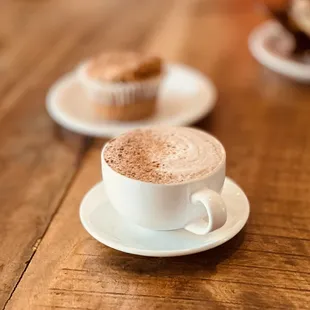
48	261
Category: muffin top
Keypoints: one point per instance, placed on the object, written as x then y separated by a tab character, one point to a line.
300	13
124	67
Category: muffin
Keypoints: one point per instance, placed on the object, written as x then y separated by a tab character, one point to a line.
300	14
299	17
122	86
294	16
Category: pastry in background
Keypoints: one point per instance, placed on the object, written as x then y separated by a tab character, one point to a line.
294	16
122	86
299	14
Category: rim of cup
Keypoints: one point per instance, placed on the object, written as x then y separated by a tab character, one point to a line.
85	79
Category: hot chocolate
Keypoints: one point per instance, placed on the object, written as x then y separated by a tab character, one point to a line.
164	155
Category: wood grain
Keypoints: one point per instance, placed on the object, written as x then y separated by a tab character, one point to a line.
37	164
261	118
90	276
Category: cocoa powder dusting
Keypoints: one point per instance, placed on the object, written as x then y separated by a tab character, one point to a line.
130	155
164	155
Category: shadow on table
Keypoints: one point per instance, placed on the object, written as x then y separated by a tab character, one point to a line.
186	265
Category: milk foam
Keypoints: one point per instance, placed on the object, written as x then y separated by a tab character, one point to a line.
164	155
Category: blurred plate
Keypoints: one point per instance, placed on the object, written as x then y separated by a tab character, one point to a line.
271	45
185	97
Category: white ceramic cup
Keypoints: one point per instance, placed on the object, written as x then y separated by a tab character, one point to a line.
196	205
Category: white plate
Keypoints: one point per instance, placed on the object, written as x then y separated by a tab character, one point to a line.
185	97
102	222
271	45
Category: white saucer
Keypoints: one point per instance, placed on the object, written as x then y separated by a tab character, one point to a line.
104	224
271	45
185	97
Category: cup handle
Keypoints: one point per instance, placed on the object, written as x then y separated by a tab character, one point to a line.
216	211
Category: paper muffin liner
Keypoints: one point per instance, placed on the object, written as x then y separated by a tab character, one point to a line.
118	93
